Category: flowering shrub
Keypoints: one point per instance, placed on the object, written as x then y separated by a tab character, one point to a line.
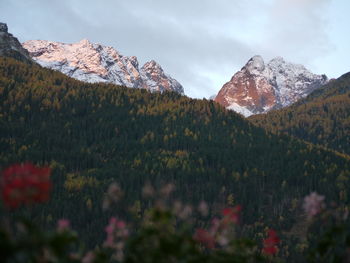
164	235
204	237
63	225
117	234
221	231
232	214
329	231
25	184
313	204
271	242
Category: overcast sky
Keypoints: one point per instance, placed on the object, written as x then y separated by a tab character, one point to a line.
200	43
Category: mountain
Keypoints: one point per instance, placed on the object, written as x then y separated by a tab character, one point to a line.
259	87
321	118
94	134
10	46
93	63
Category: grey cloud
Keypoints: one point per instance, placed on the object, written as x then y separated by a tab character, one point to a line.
201	43
177	37
298	29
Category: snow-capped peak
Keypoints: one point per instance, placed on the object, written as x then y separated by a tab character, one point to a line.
259	87
157	79
153	67
92	62
255	65
278	60
85	42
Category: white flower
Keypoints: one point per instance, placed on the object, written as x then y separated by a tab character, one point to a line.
203	208
186	212
313	204
148	190
114	192
223	240
167	189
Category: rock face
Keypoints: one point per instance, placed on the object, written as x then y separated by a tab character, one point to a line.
10	46
155	78
96	63
259	87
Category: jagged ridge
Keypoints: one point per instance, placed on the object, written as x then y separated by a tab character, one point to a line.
93	63
10	46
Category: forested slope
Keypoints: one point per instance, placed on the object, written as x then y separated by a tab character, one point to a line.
93	134
321	118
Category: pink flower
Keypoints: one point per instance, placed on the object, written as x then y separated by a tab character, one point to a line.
89	257
109	229
215	225
63	225
109	242
120	224
205	238
116	229
313	204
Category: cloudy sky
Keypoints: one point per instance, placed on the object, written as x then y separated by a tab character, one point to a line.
201	43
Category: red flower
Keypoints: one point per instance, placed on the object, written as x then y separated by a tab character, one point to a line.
271	242
232	214
270	250
25	184
205	238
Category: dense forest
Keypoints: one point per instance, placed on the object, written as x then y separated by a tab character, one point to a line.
322	118
94	134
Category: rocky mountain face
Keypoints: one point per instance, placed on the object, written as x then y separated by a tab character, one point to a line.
259	87
10	46
92	63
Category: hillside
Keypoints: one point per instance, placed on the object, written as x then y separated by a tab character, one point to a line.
93	134
321	118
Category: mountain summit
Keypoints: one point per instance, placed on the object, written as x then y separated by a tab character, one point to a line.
92	63
10	46
259	87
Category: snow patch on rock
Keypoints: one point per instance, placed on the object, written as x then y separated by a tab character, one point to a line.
93	63
239	109
259	87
